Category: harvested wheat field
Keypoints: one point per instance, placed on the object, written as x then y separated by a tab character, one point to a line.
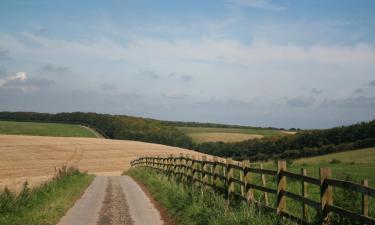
224	137
34	158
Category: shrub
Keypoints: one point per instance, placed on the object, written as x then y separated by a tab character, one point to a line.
335	161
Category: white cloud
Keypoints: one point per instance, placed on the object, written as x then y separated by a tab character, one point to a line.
275	74
138	51
19	76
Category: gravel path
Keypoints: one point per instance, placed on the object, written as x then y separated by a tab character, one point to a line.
113	201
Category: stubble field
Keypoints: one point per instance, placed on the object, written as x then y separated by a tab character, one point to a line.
34	158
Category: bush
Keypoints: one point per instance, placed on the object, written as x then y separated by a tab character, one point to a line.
335	161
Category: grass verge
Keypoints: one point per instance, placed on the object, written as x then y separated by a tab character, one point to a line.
46	204
189	205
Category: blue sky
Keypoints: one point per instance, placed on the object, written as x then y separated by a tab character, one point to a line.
296	63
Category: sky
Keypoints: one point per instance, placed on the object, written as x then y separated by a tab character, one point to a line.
292	63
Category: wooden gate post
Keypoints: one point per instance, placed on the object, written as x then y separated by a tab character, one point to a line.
325	193
281	186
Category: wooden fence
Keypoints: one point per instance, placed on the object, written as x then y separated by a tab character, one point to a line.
224	175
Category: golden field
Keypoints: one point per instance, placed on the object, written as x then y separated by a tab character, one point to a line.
34	158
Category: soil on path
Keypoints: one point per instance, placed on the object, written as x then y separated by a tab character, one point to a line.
116	200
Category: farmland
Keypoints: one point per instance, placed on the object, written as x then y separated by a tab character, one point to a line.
357	164
34	158
211	134
45	129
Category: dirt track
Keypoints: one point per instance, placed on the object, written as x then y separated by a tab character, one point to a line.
115	200
35	158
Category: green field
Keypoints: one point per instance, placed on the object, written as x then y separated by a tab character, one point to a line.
358	164
353	165
208	134
45	129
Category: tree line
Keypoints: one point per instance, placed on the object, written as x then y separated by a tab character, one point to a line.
113	126
303	144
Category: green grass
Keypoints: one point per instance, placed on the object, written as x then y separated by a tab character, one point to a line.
206	134
43	205
353	165
196	206
362	156
44	129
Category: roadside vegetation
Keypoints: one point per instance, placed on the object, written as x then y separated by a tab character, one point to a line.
44	129
189	205
171	192
46	204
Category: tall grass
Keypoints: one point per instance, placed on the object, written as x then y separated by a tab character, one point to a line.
43	205
190	205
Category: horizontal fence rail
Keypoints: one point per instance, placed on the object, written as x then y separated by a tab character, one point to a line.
236	179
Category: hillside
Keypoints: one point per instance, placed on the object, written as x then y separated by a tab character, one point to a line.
302	144
227	134
112	126
45	129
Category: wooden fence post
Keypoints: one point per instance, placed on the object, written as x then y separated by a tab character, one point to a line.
171	165
182	168
200	167
365	199
188	164
212	171
229	169
204	169
215	171
325	193
193	169
247	178
264	183
242	178
304	194
281	187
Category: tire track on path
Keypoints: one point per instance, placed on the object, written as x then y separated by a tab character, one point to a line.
113	201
